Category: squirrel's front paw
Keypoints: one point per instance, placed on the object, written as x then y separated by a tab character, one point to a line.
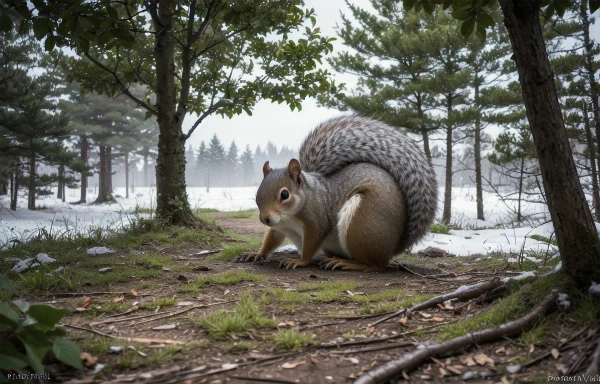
250	257
293	263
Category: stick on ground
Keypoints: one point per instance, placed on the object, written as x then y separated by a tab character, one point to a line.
413	360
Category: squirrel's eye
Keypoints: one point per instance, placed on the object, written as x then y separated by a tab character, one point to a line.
284	194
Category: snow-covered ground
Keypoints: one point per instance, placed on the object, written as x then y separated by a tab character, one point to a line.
60	218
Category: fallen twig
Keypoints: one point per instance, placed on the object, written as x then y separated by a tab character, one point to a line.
575	366
372	349
413	360
130	339
126	319
594	368
466	294
262	379
71	294
431	277
561	347
171	314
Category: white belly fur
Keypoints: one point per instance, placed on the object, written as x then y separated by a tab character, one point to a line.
335	243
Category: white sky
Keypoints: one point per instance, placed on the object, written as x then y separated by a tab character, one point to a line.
272	121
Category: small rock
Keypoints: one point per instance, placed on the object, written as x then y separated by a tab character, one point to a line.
313	276
166	269
116	349
164	327
514	368
104	270
182	278
99	251
469	375
201	268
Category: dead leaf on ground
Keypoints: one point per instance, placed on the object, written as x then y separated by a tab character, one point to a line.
468	361
504	380
438	319
555	353
442	307
454	369
353	360
370	329
87	359
500	350
86	301
134	292
293	365
531	348
119	299
165	327
443	372
403	320
425	315
314	360
482	359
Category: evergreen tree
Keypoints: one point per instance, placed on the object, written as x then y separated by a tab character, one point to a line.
231	163
202	164
216	162
247	165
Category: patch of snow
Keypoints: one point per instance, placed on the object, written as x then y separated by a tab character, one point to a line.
287	248
512	260
30	262
563	300
99	251
522	276
595	288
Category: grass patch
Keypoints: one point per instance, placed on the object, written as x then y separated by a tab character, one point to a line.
232	251
162	302
243	214
44	279
290	339
221	324
97	345
239	347
439	228
544	239
119	274
148	285
537	335
282	296
227	278
329	291
380	296
393	305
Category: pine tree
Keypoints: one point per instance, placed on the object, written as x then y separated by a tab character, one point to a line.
231	163
216	162
247	164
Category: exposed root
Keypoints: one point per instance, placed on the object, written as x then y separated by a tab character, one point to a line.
130	339
470	293
417	358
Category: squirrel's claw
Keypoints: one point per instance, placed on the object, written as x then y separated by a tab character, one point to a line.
250	257
292	263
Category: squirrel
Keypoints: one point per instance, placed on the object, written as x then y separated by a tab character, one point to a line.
361	193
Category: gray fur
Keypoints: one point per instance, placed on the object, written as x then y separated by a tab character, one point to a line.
352	139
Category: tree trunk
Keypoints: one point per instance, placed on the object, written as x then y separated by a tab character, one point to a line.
105	176
477	153
61	175
84	178
14	188
3	187
207	181
127	175
447	215
590	143
424	130
573	224
172	202
520	198
31	186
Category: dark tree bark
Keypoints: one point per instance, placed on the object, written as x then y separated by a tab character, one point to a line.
3	187
521	177
477	153
590	144
172	202
447	215
31	184
84	178
61	175
424	130
105	175
14	188
574	227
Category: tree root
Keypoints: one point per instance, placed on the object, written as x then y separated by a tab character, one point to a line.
417	358
466	294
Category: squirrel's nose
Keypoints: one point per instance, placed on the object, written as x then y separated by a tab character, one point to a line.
265	220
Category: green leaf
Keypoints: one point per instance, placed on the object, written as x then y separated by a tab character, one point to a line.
447	4
481	31
85	46
594	5
148	115
5	22
49	43
22	305
104	37
112	12
9	316
11	358
40	27
485	19
428	7
467	27
67	352
46	314
463	14
36	346
6	285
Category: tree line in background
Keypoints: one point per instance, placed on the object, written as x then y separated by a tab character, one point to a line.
416	71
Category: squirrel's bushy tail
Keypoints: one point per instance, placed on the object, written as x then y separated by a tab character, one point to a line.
350	139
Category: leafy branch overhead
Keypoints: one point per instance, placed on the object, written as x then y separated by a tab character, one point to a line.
474	16
228	55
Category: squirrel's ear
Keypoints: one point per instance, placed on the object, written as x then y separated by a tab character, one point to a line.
295	170
266	169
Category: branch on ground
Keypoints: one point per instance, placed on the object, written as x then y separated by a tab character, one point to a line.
417	358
